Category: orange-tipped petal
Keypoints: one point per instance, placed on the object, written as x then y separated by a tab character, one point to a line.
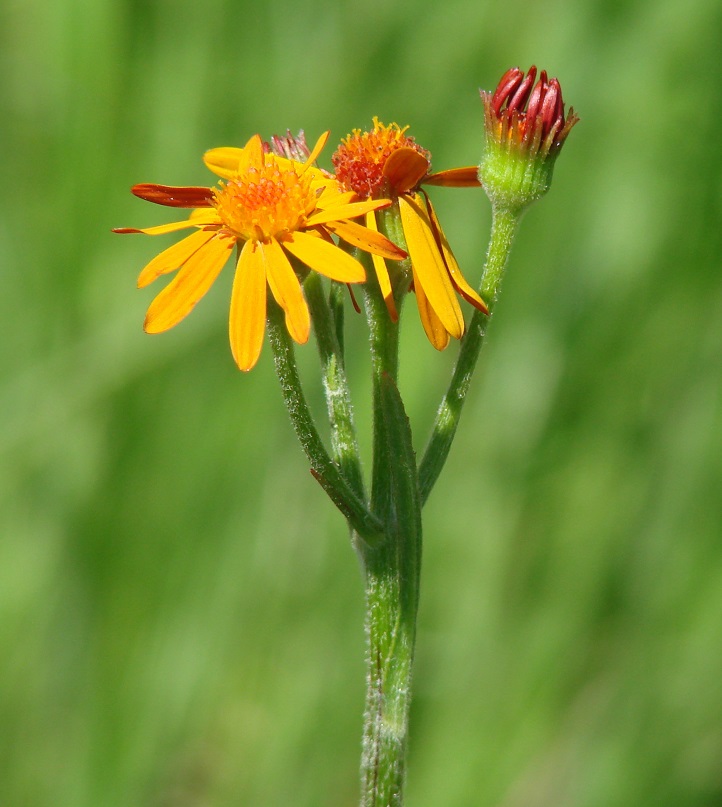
467	177
324	257
382	272
347	211
173	257
433	327
223	161
172	196
286	290
193	280
405	168
317	149
369	240
247	320
429	264
459	281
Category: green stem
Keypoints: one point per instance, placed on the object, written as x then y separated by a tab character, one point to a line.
391	569
504	226
344	445
337	304
326	472
384	339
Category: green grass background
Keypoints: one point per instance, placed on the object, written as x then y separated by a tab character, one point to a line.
180	611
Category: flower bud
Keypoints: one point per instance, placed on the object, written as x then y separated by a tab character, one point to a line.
525	129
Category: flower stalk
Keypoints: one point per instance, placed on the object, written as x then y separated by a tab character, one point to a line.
504	226
392	572
344	445
323	468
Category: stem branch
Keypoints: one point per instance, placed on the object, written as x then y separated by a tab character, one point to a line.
338	398
326	472
504	226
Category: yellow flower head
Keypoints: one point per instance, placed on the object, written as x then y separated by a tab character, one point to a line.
271	207
385	162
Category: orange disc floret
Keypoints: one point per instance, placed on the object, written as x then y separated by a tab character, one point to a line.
360	159
266	201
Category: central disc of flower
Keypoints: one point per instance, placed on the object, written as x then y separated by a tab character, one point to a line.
359	160
265	201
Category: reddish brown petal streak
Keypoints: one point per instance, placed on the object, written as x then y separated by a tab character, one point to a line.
170	196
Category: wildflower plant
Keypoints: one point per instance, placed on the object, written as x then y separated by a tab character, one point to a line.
301	234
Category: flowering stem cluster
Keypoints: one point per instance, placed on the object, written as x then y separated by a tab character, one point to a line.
282	213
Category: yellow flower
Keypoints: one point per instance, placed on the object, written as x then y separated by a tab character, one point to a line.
271	207
386	163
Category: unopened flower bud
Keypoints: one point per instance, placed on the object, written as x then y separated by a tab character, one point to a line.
525	128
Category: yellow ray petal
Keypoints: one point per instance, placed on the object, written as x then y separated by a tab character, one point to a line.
324	257
223	161
193	280
287	290
198	218
382	273
429	264
204	216
369	240
252	154
173	257
247	320
467	177
334	195
347	211
434	328
320	178
307	164
317	149
283	163
458	280
326	185
405	168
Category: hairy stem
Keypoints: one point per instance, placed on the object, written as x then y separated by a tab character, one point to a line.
338	397
391	568
328	474
504	227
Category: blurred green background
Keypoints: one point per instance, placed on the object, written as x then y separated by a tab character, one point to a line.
180	611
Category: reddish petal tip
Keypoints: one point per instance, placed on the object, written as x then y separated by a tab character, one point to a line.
171	196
